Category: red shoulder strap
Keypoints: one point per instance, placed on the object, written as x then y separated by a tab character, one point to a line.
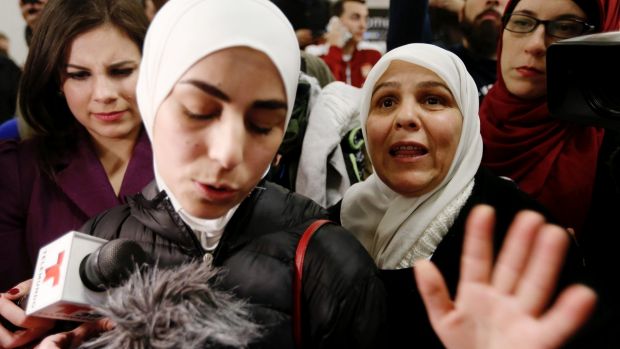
299	265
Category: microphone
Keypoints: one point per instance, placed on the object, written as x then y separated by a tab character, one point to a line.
111	264
175	308
73	271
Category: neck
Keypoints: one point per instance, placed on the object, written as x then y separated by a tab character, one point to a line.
114	155
349	47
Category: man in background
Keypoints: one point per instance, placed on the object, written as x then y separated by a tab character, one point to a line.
9	81
481	23
343	51
31	10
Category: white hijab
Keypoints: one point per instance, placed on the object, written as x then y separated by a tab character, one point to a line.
185	31
389	224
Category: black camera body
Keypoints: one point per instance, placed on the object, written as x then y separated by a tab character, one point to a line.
583	80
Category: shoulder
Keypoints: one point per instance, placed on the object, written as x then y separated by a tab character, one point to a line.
370	49
283	207
108	224
334	242
503	194
317	50
18	161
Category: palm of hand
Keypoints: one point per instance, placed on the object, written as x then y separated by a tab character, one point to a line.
505	305
488	319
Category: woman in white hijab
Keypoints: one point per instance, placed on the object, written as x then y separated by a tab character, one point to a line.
419	114
216	90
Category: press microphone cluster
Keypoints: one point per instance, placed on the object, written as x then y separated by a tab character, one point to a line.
74	271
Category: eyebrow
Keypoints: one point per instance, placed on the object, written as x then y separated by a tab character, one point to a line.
113	65
219	94
562	16
423	84
208	89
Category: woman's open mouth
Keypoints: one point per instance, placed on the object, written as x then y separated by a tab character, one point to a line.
216	193
408	150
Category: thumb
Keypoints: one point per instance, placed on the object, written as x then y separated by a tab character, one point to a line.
433	290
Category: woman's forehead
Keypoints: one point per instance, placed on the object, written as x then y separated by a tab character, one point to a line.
401	68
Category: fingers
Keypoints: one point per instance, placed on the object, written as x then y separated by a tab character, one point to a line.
17	316
568	314
56	341
516	250
18	291
477	258
89	329
544	265
433	290
33	327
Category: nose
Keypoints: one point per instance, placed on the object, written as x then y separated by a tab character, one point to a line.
104	90
226	140
537	42
407	117
492	3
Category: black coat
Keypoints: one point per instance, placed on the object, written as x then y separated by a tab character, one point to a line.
343	298
408	322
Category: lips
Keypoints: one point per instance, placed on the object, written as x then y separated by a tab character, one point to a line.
529	71
407	150
109	116
488	14
217	193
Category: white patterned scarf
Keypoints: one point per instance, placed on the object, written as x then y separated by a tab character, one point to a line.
388	224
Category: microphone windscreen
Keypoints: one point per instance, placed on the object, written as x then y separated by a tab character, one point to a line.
175	308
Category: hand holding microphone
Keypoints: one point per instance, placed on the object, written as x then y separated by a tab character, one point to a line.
60	294
17	329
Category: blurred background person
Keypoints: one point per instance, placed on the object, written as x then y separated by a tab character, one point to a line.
9	81
31	11
344	51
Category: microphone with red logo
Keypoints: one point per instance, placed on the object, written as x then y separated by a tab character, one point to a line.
73	272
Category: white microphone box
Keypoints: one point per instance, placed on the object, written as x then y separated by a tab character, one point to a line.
57	291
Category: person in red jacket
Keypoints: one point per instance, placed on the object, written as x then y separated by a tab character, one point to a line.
346	58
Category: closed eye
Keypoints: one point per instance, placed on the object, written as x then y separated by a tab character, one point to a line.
121	72
78	75
254	128
201	116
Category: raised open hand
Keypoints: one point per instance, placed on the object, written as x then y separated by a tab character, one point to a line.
505	305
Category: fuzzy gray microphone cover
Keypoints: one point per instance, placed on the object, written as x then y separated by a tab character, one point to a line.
175	308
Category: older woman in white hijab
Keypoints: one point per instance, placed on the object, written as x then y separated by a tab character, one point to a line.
419	114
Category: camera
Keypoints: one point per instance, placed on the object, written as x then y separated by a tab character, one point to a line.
583	80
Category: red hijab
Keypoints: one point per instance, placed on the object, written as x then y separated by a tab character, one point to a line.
554	161
611	15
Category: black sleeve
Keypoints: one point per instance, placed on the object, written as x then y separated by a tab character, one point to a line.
344	298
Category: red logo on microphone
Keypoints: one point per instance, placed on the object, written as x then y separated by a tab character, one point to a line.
53	272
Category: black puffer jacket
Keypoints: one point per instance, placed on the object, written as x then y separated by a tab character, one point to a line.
343	298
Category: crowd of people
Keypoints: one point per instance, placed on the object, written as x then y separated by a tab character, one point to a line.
479	224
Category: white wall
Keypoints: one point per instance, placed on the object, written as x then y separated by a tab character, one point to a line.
13	25
374	3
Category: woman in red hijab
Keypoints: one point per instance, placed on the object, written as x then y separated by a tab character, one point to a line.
552	160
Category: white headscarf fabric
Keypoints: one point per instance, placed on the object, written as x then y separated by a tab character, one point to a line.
389	224
185	31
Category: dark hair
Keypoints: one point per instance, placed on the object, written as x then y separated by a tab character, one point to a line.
589	7
42	105
338	6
